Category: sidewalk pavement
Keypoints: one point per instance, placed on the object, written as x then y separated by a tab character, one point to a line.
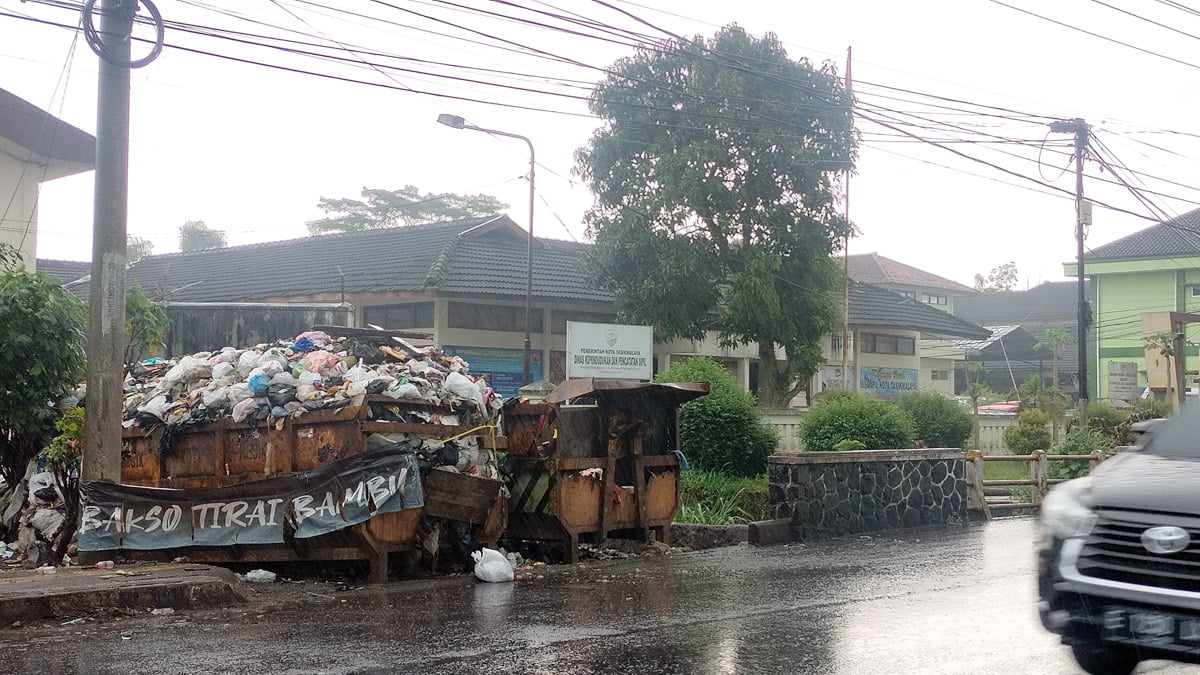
72	591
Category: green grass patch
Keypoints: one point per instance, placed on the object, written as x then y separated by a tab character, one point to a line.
715	498
1006	470
1010	471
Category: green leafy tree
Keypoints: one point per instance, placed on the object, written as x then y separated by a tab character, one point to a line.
937	420
1031	432
976	391
42	330
194	235
63	456
146	325
1055	339
856	422
722	431
406	206
1001	278
10	256
715	181
137	248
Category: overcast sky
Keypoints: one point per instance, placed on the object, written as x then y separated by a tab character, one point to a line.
250	150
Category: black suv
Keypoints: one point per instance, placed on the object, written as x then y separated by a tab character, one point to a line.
1119	557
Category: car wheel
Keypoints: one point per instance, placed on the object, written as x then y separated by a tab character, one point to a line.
1099	658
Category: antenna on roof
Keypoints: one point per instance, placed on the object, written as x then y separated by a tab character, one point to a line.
342	275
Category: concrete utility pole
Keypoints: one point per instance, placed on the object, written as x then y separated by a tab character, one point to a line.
106	324
1083	312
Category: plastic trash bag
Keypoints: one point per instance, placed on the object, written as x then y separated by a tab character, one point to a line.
259	383
491	566
280	395
189	369
222	369
217	398
238	392
323	362
247	362
406	390
285	378
461	386
357	374
260	576
243	409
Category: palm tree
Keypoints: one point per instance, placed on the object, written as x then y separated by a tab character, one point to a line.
1054	339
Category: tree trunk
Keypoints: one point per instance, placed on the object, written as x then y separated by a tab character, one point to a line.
776	386
1054	368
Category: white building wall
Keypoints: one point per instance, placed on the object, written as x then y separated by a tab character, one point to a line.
18	225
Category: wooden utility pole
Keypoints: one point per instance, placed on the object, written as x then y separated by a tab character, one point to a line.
106	324
1083	312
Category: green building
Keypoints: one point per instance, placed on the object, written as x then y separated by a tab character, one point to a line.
1136	284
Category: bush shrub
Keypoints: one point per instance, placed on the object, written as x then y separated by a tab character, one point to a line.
1106	419
873	423
1030	433
1077	442
722	431
937	420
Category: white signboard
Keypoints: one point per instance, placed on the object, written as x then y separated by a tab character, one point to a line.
610	351
1122	380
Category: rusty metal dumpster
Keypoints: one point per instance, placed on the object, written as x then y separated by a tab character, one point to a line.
222	456
595	459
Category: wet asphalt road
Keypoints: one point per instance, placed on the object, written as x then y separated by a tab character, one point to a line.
947	601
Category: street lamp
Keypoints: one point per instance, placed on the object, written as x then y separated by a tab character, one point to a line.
456	122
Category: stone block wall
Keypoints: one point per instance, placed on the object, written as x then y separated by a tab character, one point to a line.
830	494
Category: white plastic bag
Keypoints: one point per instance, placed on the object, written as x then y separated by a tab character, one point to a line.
222	369
260	576
247	362
406	390
491	566
461	386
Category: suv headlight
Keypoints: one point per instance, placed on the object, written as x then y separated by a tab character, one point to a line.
1067	509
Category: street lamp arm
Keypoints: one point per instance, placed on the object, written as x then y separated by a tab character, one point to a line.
497	132
457	122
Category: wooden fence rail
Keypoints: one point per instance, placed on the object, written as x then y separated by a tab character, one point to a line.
1039	479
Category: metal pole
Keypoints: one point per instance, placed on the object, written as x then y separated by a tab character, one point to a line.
529	269
106	326
457	122
846	257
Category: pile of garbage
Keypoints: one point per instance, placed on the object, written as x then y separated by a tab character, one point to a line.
315	371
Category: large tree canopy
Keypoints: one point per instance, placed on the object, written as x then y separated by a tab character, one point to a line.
406	206
194	235
715	175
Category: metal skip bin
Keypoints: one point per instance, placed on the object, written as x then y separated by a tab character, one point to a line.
225	458
595	459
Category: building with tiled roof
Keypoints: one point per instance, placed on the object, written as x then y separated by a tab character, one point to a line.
65	271
35	147
464	283
1135	284
872	268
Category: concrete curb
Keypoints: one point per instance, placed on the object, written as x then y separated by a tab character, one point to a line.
72	592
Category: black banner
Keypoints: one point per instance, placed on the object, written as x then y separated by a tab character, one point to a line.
323	500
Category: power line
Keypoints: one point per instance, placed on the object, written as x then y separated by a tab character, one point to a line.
1098	35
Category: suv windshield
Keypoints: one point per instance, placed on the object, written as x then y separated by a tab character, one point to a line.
1178	436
